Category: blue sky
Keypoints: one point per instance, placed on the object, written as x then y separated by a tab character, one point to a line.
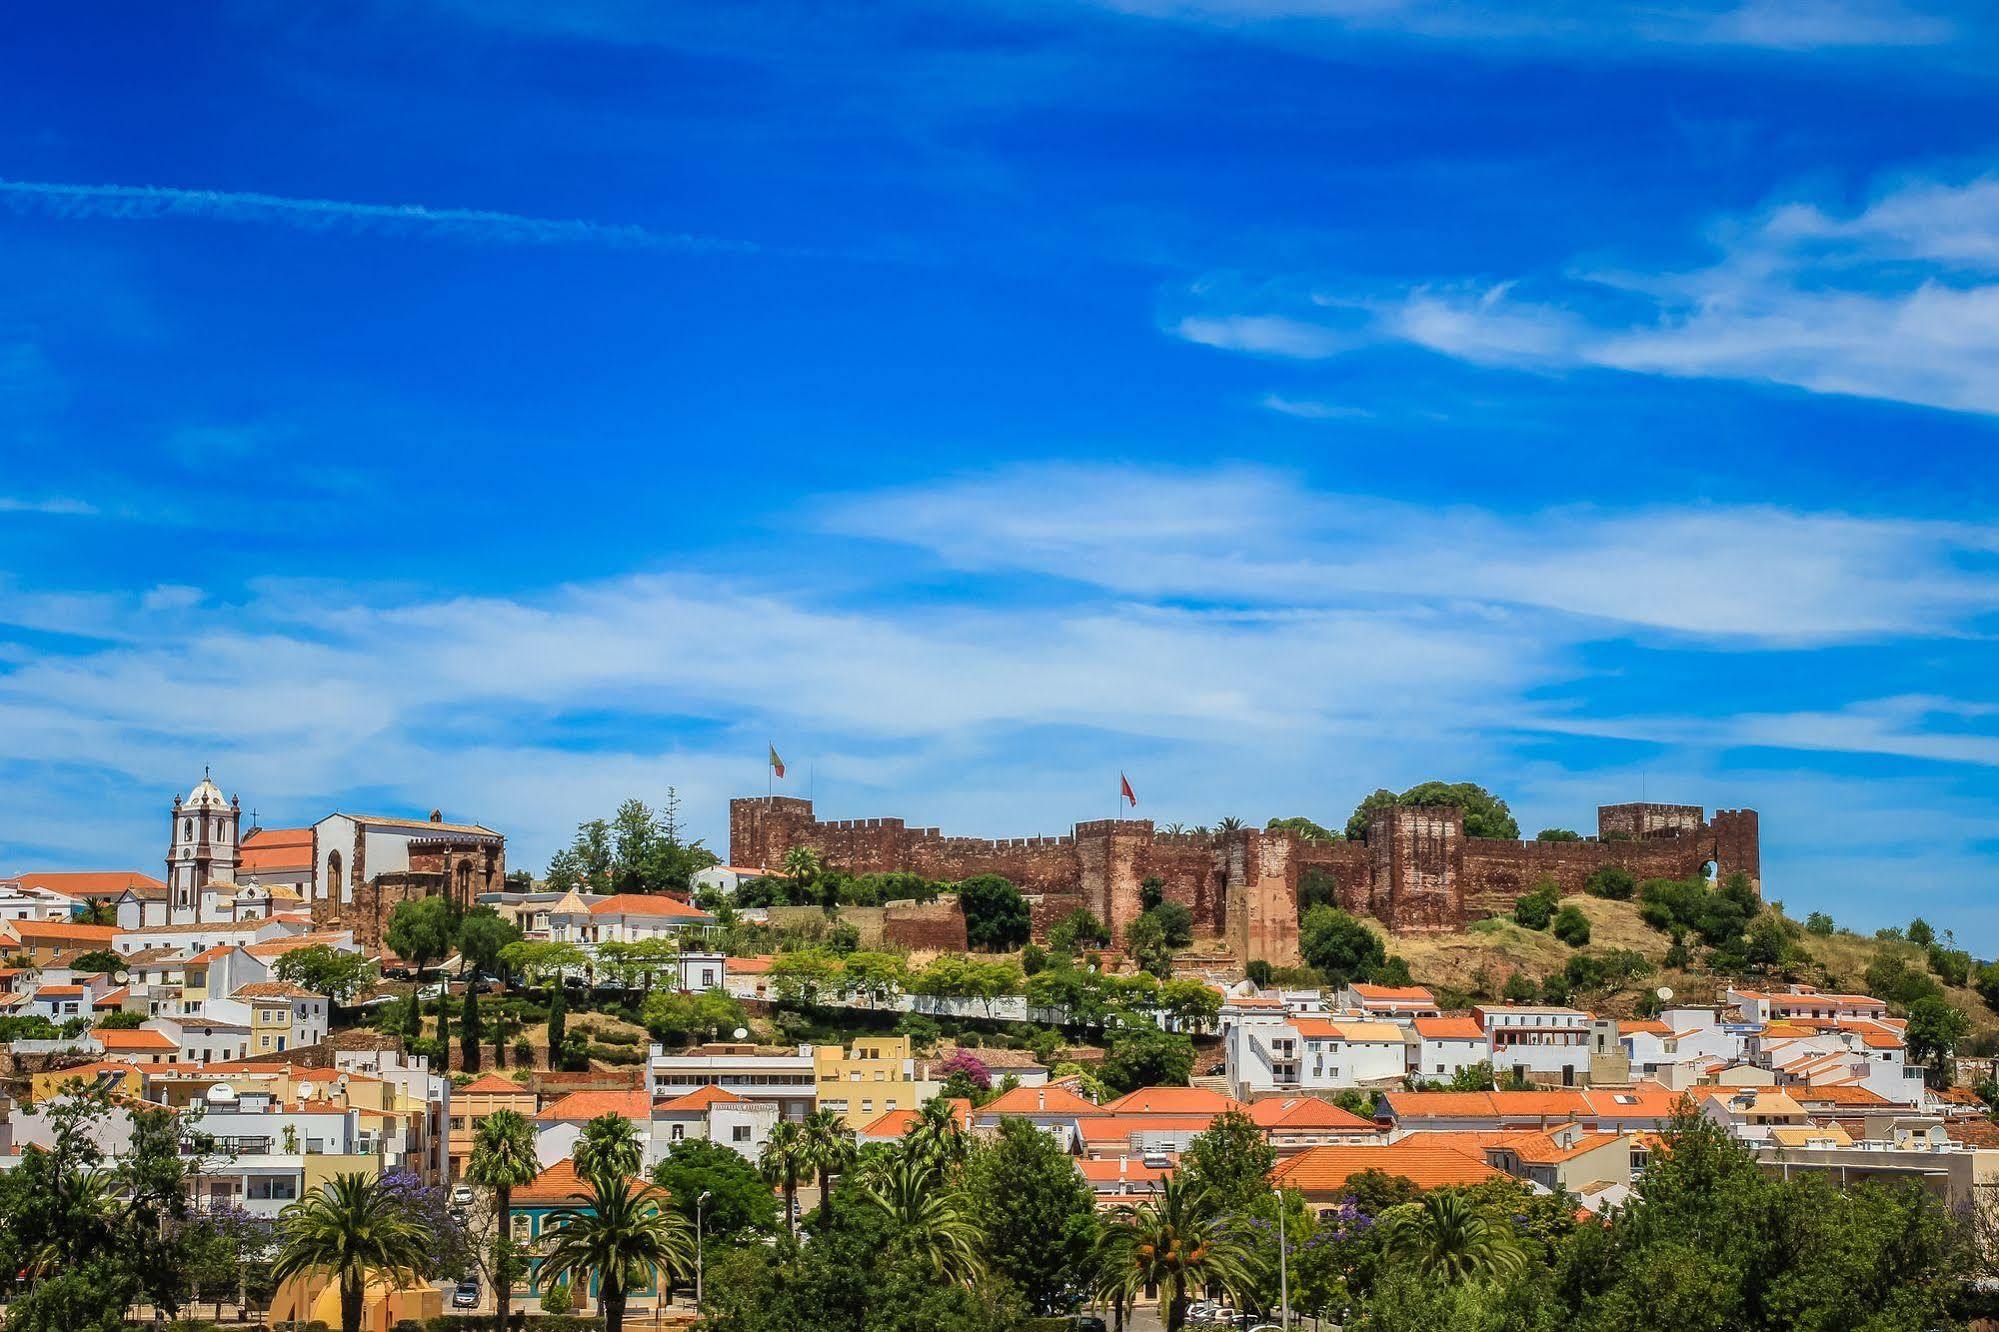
511	407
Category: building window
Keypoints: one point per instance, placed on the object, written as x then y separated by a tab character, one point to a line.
740	1133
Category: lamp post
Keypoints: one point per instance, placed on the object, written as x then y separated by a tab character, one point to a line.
699	1204
1283	1263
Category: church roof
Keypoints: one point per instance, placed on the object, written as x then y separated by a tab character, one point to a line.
89	883
276	849
206	795
421	826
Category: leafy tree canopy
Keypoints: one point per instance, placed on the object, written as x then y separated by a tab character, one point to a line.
1307	830
1486	815
997	917
740	1205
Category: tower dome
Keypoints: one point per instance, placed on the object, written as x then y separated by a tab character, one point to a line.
207	795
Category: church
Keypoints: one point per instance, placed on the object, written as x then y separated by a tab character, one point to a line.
346	871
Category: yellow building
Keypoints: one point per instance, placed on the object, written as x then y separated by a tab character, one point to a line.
863	1083
472	1103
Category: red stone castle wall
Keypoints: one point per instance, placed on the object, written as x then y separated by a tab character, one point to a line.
1415	870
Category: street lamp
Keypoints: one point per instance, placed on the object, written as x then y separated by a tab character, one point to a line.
699	1204
1283	1262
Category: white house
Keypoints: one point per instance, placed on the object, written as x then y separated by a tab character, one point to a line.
1540	1039
786	1078
719	1116
1443	1046
1394	1002
623	918
559	1125
1802	1001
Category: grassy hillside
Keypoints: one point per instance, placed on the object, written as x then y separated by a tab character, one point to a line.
1481	958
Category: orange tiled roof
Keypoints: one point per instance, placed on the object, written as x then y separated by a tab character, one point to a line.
87	883
1400	993
28	931
646	904
1535	1148
1838	1095
112	998
1039	1101
279	947
1114	1128
491	1085
561	1185
746	966
1649	1028
1172	1101
1305	1112
1122	1169
276	848
1326	1169
590	1104
898	1122
58	991
137	1038
1448	1028
701	1098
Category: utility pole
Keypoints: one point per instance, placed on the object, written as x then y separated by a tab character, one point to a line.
699	1204
1283	1263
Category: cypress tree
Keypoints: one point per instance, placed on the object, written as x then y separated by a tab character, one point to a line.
468	1028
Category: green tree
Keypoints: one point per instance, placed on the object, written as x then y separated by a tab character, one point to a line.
470	1031
1819	923
786	1159
1078	930
326	970
804	976
1519	989
421	931
1610	881
1571	926
1934	1033
609	1148
1176	1242
355	1230
1486	815
829	1149
503	1159
1558	835
1536	910
1145	1056
1145	941
1232	1159
1339	947
96	962
1306	830
1445	1238
931	1220
996	915
739	1204
1176	923
483	936
675	1018
1039	1219
1920	933
627	1238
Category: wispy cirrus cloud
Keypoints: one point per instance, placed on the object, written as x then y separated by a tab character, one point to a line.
147	203
1250	536
57	506
1898	300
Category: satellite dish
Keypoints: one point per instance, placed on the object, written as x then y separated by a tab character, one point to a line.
1664	992
221	1094
305	1091
120	978
741	1032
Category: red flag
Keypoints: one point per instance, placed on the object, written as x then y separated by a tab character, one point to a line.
776	763
1124	788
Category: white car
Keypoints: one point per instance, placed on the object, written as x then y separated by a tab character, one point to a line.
461	1196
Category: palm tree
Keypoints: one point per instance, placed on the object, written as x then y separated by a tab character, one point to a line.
1444	1236
785	1159
931	1223
503	1159
627	1237
609	1148
356	1229
802	865
1178	1243
937	1139
1229	823
829	1147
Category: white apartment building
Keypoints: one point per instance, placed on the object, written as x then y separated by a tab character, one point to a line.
785	1078
1543	1042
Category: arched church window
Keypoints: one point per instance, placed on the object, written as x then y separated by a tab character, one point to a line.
187	829
333	880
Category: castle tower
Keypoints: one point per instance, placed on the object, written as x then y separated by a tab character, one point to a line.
201	847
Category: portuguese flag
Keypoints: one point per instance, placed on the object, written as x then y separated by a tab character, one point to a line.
776	763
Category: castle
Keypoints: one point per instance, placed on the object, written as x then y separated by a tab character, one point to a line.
1415	869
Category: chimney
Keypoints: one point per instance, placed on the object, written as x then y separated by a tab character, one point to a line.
1041	1100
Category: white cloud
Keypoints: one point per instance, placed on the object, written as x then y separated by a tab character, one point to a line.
1269	335
1898	301
55	506
1754	574
1308	409
139	203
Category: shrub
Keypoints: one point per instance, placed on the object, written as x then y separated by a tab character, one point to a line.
1535	910
1611	881
1258	973
556	1300
1519	989
1571	927
1818	923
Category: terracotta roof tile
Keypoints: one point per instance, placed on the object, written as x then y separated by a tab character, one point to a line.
1448	1028
562	1186
1326	1169
1039	1101
1171	1101
1306	1112
590	1104
492	1085
647	904
701	1098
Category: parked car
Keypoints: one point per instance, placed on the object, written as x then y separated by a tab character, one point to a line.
462	1196
1091	1323
466	1296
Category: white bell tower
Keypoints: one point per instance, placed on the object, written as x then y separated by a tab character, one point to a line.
201	849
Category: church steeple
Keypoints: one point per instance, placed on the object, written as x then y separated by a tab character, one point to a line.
201	846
